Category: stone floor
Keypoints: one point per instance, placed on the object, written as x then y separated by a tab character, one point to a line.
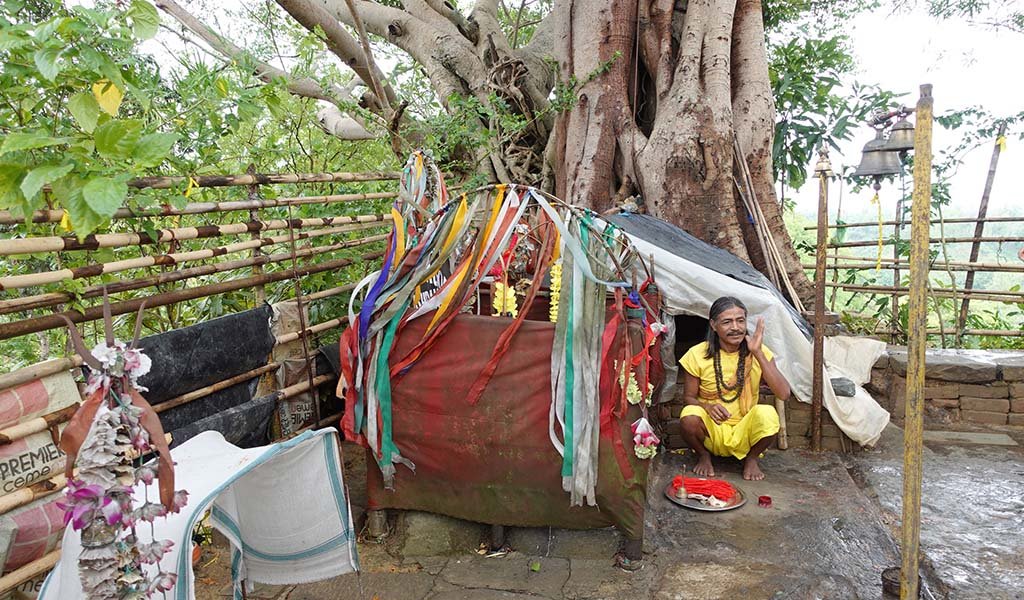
829	533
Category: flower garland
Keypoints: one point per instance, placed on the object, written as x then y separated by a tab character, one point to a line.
98	502
504	301
645	442
555	290
633	393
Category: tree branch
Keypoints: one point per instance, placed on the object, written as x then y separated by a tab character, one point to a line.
340	43
465	27
304	87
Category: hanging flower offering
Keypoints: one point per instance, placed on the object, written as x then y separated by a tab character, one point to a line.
115	425
555	291
633	393
504	301
645	442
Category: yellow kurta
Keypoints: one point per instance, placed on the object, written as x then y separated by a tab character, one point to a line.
749	422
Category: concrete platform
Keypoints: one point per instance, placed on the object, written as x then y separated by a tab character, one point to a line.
829	534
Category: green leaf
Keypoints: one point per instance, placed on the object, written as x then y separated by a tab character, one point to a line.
145	19
10	174
104	195
46	62
85	110
29	140
41	175
68	193
153	148
116	138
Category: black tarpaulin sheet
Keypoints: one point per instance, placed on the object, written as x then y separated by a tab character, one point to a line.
493	462
194	357
674	240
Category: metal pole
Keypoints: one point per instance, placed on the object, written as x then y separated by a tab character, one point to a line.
823	170
917	338
979	228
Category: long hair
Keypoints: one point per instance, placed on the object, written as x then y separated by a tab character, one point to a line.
718	307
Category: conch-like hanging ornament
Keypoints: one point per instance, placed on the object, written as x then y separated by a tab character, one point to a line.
114	427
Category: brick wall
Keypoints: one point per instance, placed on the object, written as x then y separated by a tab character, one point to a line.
983	387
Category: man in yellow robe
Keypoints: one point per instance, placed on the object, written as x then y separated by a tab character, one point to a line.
721	381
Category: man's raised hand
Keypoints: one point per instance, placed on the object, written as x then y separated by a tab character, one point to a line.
754	341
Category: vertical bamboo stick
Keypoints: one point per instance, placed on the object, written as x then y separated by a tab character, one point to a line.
823	170
979	228
917	340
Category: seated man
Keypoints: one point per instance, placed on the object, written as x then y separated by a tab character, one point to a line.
722	376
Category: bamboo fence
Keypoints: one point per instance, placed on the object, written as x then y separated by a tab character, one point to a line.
153	274
839	259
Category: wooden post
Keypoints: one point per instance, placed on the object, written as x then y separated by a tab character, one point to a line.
260	291
824	171
917	339
979	228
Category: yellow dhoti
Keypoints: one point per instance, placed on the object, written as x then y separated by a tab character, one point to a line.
737	438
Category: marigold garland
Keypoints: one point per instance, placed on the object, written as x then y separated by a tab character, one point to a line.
555	290
504	301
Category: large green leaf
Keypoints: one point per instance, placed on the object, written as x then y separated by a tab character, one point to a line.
116	138
68	193
10	175
42	175
153	148
46	62
104	195
145	19
85	109
29	140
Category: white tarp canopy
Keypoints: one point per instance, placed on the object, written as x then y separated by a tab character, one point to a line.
692	275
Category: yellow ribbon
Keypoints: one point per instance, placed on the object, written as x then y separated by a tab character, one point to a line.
1001	142
877	202
191	184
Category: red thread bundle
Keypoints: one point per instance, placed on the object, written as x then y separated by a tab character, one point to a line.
722	490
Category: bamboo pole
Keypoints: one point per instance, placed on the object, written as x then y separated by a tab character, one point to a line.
823	171
888	290
916	343
932	221
205	181
37	424
976	332
96	269
956	240
55	298
214	388
979	228
888	264
33	569
54	321
311	330
32	245
198	208
783	439
38	371
331	292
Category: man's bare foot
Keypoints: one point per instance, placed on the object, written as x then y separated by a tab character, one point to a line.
751	470
704	467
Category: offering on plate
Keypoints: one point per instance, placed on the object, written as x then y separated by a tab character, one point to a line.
712	492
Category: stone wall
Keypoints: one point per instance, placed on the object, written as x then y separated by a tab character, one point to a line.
973	386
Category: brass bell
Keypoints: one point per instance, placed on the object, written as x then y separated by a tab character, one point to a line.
901	138
877	160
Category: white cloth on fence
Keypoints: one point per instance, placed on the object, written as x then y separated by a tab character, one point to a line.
282	506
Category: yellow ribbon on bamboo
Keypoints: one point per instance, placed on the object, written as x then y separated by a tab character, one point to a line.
877	202
1001	142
